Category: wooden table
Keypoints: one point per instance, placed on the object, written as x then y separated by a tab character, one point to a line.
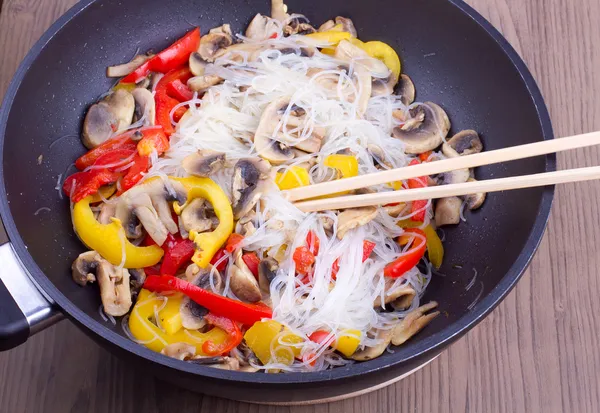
538	351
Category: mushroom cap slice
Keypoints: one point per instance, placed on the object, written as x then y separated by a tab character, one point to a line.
197	64
260	28
145	106
223	363
369	353
115	290
179	351
347	25
298	25
85	267
242	282
193	216
268	148
353	218
111	115
474	201
192	313
383	86
406	89
414	322
201	83
126	68
204	163
424	130
465	142
279	10
267	271
447	211
397	293
215	40
249	179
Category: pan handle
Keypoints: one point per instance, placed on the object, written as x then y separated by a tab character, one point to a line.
24	310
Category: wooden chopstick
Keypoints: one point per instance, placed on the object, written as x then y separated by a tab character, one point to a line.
446	165
443	191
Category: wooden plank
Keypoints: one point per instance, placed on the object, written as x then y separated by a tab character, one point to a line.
536	352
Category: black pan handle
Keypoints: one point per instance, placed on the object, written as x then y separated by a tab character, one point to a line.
24	310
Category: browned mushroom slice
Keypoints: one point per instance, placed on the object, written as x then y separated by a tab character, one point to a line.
111	115
204	163
447	211
192	313
424	129
474	201
353	218
397	210
145	107
260	28
279	10
197	64
107	211
224	363
216	39
201	83
114	282
267	271
369	353
414	322
179	351
406	90
298	25
137	277
194	217
126	68
406	292
248	184
466	142
242	283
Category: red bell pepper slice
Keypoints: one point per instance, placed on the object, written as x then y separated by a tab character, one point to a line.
235	310
368	248
178	251
304	259
234	335
411	258
424	157
233	242
321	337
419	207
81	184
153	140
251	260
140	166
165	103
217	257
178	90
171	58
122	141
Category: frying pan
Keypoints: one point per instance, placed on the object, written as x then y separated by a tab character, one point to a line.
455	58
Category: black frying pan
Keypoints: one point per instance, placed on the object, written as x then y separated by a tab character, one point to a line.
453	55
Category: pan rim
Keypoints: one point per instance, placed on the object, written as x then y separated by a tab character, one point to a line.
422	348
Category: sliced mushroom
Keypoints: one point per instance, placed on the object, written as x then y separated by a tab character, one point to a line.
457	176
224	363
261	27
149	203
279	10
397	210
383	86
242	283
201	83
267	271
249	179
406	90
474	201
268	148
179	351
192	313
193	216
364	86
369	353
197	64
111	115
84	267
126	68
107	211
347	25
145	107
447	211
379	155
414	322
204	163
425	128
113	282
353	218
215	40
298	25
395	294
466	142
137	277
247	229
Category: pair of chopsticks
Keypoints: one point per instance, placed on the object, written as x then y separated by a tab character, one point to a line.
447	165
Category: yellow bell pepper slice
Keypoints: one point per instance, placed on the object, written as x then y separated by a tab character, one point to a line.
383	52
331	37
346	164
208	243
108	239
125	86
294	177
148	333
261	337
348	342
435	248
409	223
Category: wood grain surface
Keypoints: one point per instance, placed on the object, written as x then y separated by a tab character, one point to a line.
537	352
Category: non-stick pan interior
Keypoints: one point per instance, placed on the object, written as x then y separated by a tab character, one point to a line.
451	58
